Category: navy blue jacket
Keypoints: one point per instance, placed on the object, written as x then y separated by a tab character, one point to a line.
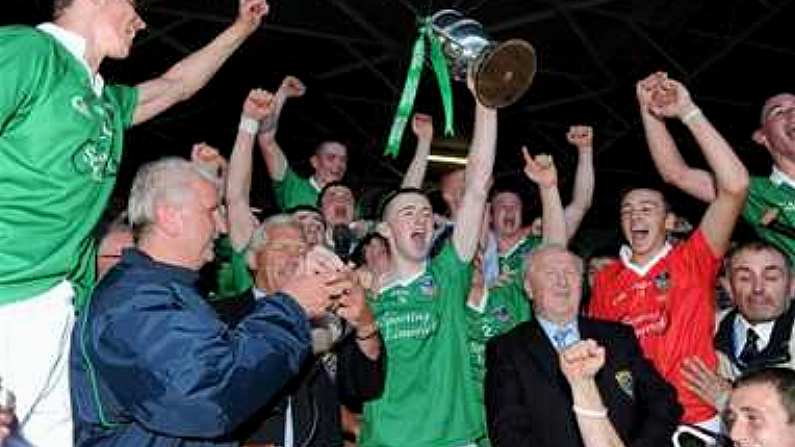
151	364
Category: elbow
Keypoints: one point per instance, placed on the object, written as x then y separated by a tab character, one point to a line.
672	176
737	184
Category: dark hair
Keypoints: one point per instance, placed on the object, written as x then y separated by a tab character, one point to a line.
357	257
329	186
392	195
58	7
781	379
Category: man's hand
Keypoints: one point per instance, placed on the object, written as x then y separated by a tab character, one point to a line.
250	14
541	169
581	137
314	292
6	424
291	87
671	100
321	260
422	125
582	360
707	385
352	306
209	159
646	88
258	104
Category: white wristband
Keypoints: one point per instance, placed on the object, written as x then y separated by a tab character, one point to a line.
588	413
691	115
249	125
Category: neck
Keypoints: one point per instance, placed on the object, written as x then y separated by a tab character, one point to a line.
263	284
82	27
643	259
785	165
404	268
506	242
165	253
559	320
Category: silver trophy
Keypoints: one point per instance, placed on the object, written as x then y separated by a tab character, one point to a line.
502	72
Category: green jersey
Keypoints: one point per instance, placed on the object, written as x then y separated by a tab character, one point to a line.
513	260
60	149
230	270
504	305
293	190
774	197
428	399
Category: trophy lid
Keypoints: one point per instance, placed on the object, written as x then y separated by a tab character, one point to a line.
505	73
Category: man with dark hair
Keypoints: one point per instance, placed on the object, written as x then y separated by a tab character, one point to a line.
329	162
759	331
666	292
311	219
61	138
428	399
767	207
761	411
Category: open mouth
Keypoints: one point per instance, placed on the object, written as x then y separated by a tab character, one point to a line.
638	235
418	239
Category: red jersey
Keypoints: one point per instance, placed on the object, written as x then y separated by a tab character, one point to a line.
671	306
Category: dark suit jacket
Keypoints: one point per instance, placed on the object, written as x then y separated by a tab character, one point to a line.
528	400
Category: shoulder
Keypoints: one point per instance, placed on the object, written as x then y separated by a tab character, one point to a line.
25	40
516	337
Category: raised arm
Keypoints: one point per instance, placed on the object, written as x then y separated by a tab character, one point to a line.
257	106
731	177
275	160
582	138
422	125
480	163
542	172
579	364
190	74
667	159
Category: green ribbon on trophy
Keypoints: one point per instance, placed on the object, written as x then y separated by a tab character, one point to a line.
406	104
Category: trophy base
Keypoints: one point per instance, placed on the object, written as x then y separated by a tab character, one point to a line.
504	73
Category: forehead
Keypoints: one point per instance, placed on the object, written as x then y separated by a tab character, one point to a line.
778	100
506	198
307	215
332	148
284	233
454	177
642	195
554	258
408	200
756	396
765	257
339	190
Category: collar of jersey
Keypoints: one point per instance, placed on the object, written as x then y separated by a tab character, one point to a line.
314	183
403	282
778	177
626	255
514	247
75	44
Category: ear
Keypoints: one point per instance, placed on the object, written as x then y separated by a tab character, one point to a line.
760	138
725	283
313	160
251	260
670	221
528	290
792	285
